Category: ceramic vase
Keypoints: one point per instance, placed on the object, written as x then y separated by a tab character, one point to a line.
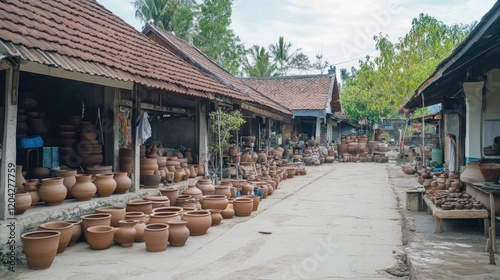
100	237
156	237
66	230
40	248
52	191
123	182
178	233
83	189
198	221
126	233
105	184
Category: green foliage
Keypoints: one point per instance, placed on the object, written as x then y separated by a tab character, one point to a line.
286	59
223	125
320	64
260	64
381	85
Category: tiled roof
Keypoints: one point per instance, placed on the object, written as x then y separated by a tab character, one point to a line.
82	36
202	62
309	92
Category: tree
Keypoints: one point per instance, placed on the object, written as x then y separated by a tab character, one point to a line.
260	65
285	59
319	64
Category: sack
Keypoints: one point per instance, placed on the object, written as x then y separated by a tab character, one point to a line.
31	142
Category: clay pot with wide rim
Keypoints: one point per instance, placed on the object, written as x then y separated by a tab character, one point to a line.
139	216
69	179
40	248
243	206
214	202
117	214
105	184
178	233
171	193
97	219
140	205
76	231
198	221
193	191
163	217
181	199
123	182
66	230
169	209
52	191
100	237
23	202
158	201
156	237
83	189
223	189
216	216
256	201
126	233
206	186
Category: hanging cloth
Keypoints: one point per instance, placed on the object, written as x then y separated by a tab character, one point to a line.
452	154
143	128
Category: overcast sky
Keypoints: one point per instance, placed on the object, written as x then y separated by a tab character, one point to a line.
340	30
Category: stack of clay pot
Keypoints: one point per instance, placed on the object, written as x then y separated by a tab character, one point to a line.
175	170
68	145
88	147
433	182
150	175
125	159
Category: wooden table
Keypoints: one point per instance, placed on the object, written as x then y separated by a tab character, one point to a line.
440	214
491	193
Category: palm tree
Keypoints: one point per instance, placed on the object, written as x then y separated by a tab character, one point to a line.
282	56
150	11
261	65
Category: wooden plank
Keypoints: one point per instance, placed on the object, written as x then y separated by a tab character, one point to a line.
455	214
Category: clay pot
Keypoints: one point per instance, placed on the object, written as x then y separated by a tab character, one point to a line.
123	182
139	229
291	172
100	237
22	202
158	201
98	219
171	193
490	171
117	214
247	189
40	248
238	183
35	198
214	202
192	172
256	200
105	184
193	191
198	221
20	180
181	199
178	175
178	233
66	230
156	237
139	216
151	181
163	217
205	185
139	205
227	213
69	179
31	185
40	172
52	191
168	209
243	206
223	190
125	233
83	189
76	231
216	216
472	174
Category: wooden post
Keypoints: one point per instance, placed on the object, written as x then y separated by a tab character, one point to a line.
493	238
490	246
136	105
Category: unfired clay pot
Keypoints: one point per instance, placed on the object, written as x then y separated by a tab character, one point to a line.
156	237
125	234
178	233
52	191
198	221
40	248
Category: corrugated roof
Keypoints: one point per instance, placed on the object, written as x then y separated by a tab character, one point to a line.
82	36
308	92
200	60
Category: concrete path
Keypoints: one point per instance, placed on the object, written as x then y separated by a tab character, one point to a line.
339	221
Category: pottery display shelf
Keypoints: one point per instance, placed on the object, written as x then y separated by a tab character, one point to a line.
440	214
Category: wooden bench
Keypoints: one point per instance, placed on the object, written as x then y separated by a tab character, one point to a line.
440	214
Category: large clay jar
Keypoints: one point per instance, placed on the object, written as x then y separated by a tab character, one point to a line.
52	191
20	180
105	184
193	191
100	237
66	230
97	219
178	233
125	233
243	206
123	182
40	248
158	201
83	189
23	202
171	193
69	179
117	214
216	216
163	217
256	201
156	237
140	205
228	213
223	189
76	231
214	202
206	187
198	221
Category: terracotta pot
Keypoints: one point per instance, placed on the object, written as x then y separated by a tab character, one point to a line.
247	188
139	216
151	181
139	229
216	216
83	189
40	172
192	172
256	201
158	201
69	179
105	184
227	213
40	248
100	237
35	198
472	174
23	202
117	214
76	232
243	206
98	219
198	221
181	199
52	191
205	185
123	182
178	233
168	209
66	230
163	217
223	190
156	237
140	205
178	175
193	191
125	233
214	202
201	170
171	193
490	171
20	180
31	185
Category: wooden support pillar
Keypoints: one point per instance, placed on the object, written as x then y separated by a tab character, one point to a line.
136	105
203	136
